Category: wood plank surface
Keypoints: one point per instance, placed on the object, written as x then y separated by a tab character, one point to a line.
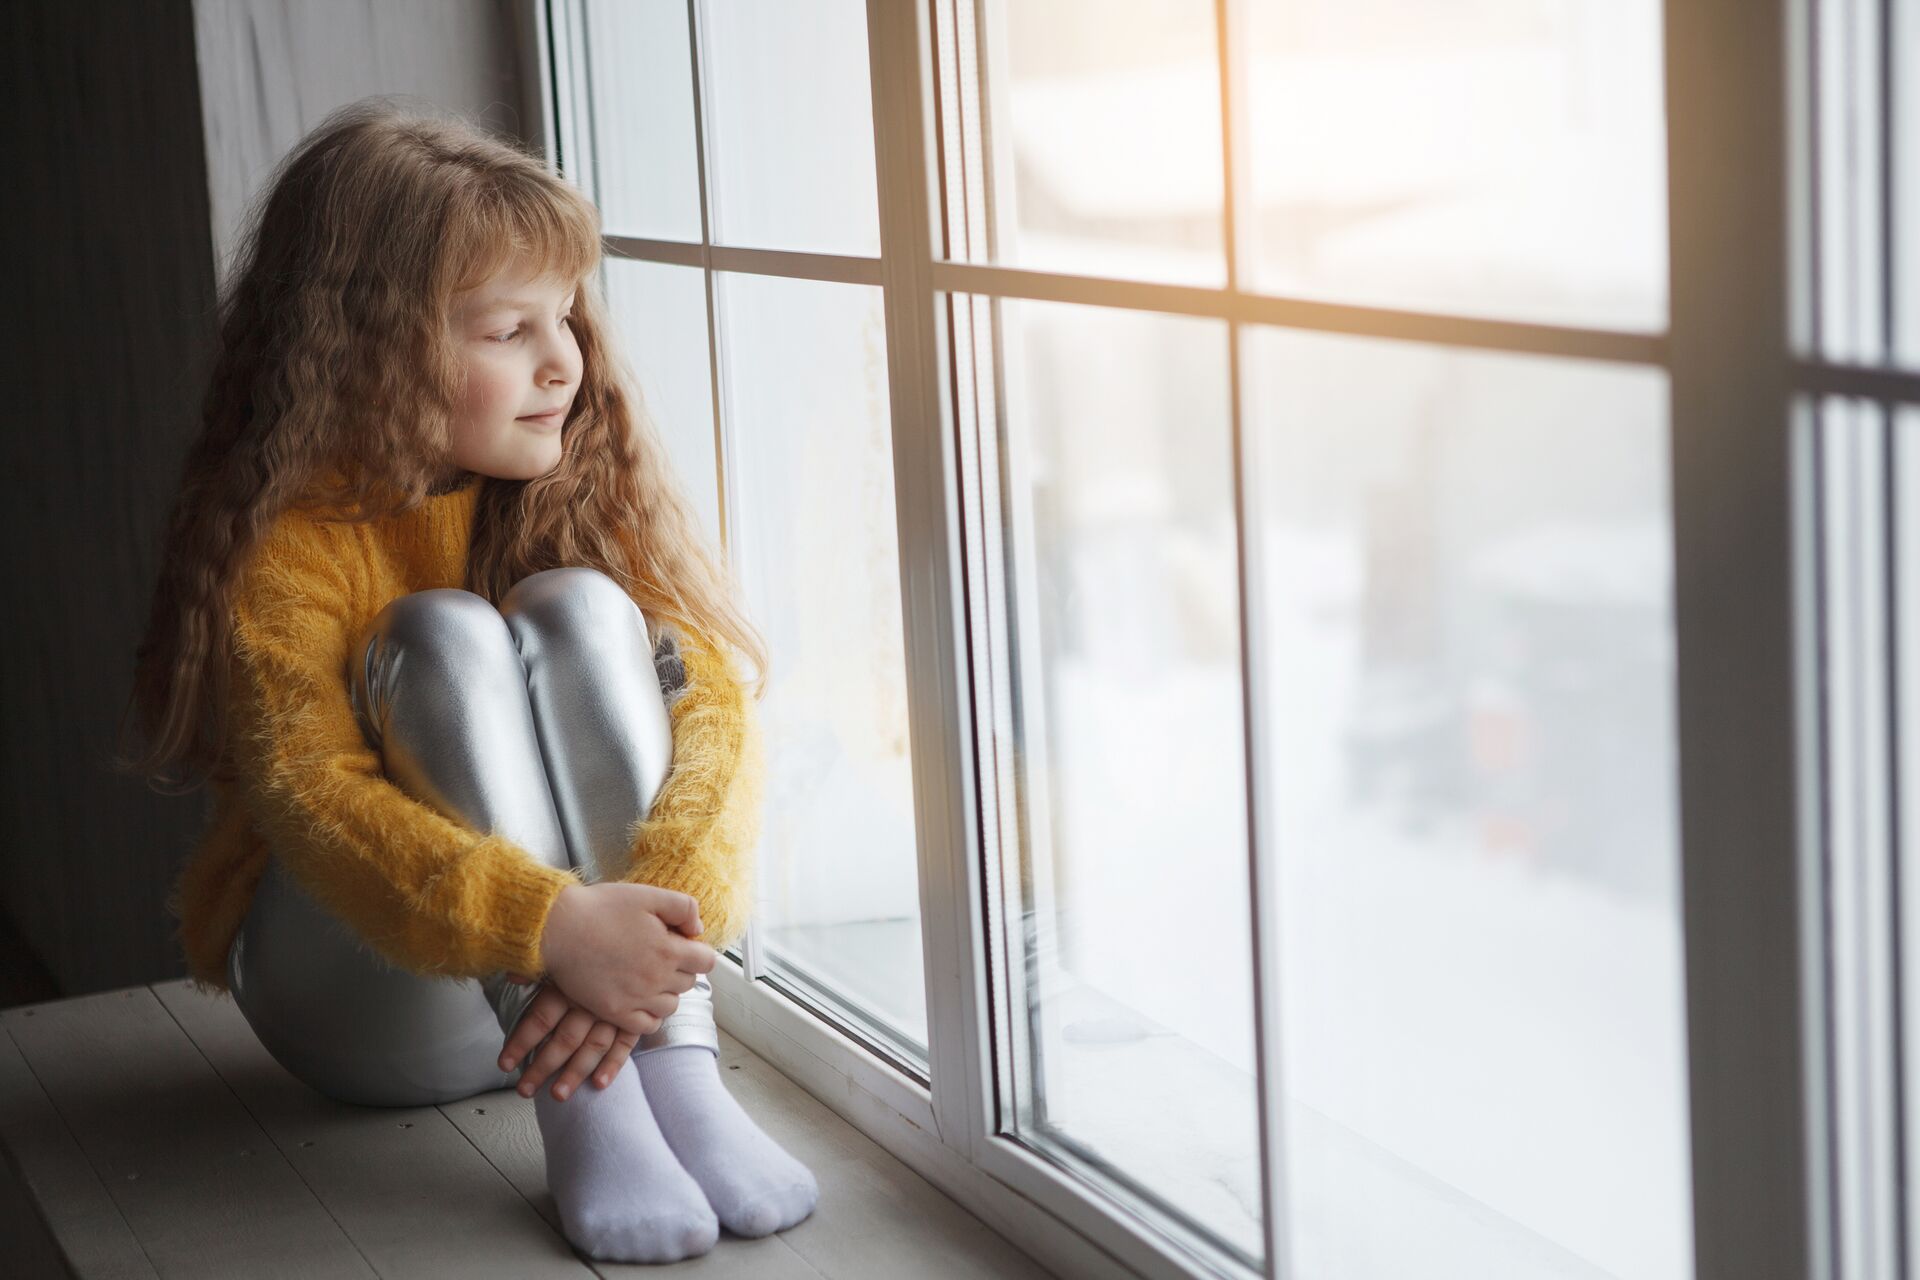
201	1187
59	1215
157	1137
406	1187
877	1219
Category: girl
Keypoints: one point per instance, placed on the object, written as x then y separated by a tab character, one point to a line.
435	621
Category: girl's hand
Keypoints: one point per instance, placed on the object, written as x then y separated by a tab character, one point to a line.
625	952
576	1043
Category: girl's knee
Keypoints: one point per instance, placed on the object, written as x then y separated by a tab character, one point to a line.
553	591
447	616
573	604
444	638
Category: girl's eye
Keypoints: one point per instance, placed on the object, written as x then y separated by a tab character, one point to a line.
509	337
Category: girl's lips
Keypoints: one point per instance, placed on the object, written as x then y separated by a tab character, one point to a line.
546	419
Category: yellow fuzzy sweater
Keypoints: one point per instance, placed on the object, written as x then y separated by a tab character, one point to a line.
431	894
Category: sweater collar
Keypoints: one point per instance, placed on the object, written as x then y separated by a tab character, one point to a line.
430	541
434	537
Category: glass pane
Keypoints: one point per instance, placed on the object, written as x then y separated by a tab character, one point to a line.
1906	592
1501	157
1848	181
1863	197
1470	659
816	539
641	82
1134	1063
1115	165
1858	815
790	125
662	314
1905	88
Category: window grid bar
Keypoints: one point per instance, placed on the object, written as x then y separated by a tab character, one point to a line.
1903	423
949	220
533	28
986	641
1807	253
1857	853
1265	944
1847	72
726	474
1239	308
1828	318
795	264
1301	313
932	585
1847	448
1812	742
1889	336
1228	22
1025	804
573	146
1828	379
1740	572
1871	233
962	327
988	134
588	120
1803	177
1903	185
958	328
1023	809
678	253
1891	601
657	252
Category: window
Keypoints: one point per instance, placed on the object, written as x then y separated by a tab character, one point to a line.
1344	679
1458	627
737	194
1856	331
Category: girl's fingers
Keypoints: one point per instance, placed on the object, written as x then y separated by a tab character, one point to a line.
593	1047
543	1014
623	1045
558	1049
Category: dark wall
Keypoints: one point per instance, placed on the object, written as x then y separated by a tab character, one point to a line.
109	319
137	130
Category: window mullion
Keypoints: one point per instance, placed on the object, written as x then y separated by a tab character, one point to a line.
1739	556
1230	29
940	711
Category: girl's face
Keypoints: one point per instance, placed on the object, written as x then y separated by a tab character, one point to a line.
521	360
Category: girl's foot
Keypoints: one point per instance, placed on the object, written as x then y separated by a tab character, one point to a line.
754	1186
621	1194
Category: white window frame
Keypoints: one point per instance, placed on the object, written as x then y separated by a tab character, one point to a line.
1744	613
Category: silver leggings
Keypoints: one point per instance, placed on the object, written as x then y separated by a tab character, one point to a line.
542	720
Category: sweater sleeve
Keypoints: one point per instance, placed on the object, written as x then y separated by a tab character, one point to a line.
430	894
701	834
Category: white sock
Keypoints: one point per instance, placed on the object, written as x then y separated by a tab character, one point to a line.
621	1194
751	1182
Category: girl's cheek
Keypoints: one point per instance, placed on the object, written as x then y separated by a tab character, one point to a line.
484	391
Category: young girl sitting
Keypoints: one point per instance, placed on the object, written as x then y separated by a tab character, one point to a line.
438	626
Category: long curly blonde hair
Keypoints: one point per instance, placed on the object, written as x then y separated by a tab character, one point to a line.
334	389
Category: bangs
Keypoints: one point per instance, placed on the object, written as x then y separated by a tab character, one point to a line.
548	230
